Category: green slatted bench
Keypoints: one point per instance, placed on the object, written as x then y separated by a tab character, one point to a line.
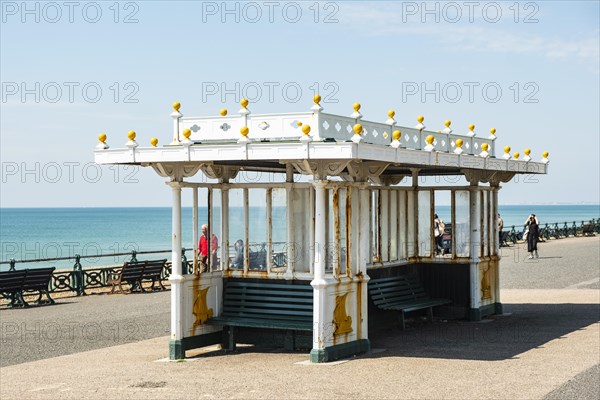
404	294
265	305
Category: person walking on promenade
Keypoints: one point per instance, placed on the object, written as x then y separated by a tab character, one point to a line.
500	227
438	232
532	236
203	250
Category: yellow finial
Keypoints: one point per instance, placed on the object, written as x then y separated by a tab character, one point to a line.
244	102
459	143
447	123
176	106
299	123
484	147
472	127
356	106
527	151
391	113
187	133
429	139
545	154
154	142
131	135
244	131
507	149
396	134
420	119
493	131
317	99
306	129
358	127
223	112
516	155
102	137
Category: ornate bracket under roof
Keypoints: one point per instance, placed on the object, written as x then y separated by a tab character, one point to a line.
360	171
320	168
493	177
221	172
176	171
388	180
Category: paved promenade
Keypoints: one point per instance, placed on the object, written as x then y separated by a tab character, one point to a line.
547	346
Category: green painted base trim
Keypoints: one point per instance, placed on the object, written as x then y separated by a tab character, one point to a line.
340	351
178	347
499	308
476	314
176	350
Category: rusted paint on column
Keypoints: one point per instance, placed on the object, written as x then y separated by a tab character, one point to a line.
336	232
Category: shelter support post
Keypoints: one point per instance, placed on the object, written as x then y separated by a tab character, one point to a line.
474	251
484	259
339	313
176	349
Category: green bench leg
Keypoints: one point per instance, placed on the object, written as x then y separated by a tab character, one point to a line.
288	342
229	339
430	314
402	322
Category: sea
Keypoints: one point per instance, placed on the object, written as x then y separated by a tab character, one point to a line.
41	233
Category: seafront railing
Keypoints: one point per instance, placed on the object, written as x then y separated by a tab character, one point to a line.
557	230
80	279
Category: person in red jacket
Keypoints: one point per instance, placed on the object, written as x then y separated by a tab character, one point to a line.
203	250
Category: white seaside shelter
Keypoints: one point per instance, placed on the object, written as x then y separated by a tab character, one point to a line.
358	213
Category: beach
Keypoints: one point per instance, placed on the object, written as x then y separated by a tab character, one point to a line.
545	345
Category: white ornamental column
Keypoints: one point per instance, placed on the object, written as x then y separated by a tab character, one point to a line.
498	305
474	251
195	238
321	324
224	226
176	349
364	257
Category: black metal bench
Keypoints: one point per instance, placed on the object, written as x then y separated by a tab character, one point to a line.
265	305
14	283
402	293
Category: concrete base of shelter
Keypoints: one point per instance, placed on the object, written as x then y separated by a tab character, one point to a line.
338	351
476	314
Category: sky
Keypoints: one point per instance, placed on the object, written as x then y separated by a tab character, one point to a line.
71	70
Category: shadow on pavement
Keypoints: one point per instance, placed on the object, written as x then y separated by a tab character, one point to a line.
523	328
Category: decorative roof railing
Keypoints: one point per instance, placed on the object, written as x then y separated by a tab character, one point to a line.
315	125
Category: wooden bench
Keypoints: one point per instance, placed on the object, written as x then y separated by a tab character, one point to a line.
153	271
134	273
14	283
265	305
588	230
402	293
504	239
